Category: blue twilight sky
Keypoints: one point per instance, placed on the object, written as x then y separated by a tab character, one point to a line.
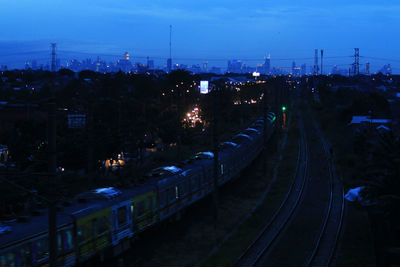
203	30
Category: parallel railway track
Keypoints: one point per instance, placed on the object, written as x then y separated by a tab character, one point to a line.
321	251
326	244
269	234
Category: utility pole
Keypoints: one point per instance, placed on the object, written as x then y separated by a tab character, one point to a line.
52	216
264	115
215	97
89	126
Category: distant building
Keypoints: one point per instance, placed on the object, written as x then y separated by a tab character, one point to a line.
234	66
34	65
303	70
295	70
150	64
127	56
267	65
215	70
125	64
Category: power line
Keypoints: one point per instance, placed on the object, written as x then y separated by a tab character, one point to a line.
382	59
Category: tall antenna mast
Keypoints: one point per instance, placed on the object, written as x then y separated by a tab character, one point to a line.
170	40
169	61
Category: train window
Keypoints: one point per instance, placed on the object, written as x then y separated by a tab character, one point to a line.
83	233
25	254
68	241
8	260
176	192
42	250
59	242
122	216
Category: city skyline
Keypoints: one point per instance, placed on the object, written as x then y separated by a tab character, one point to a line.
203	31
126	62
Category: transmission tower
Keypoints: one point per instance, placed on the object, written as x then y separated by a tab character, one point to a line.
53	57
356	61
322	59
316	62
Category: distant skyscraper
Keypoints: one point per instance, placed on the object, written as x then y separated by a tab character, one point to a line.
205	66
126	56
267	64
367	67
293	67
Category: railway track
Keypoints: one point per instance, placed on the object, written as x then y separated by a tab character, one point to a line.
269	234
324	250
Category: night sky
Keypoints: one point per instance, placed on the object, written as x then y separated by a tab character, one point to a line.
203	30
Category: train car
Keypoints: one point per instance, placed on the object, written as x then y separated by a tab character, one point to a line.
25	243
145	209
172	189
104	221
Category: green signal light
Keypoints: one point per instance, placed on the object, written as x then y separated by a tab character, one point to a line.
283	108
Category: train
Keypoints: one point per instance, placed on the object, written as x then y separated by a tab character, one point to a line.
105	221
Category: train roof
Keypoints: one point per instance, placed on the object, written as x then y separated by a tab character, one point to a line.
251	131
204	155
225	145
240	138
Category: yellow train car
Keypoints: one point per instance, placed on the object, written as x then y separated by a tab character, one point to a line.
144	210
93	231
